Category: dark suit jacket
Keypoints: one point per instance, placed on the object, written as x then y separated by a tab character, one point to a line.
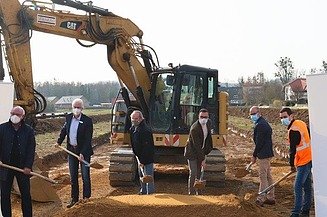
26	141
84	135
193	149
262	139
142	143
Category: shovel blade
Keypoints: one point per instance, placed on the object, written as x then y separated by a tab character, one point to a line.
199	184
147	179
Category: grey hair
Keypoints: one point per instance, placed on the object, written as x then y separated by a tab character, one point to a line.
79	101
138	112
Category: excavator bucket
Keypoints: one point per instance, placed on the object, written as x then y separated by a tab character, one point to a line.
41	190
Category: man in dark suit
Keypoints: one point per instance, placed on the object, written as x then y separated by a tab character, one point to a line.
17	148
79	131
199	144
263	153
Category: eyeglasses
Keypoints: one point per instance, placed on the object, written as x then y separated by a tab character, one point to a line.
253	113
204	117
77	107
282	117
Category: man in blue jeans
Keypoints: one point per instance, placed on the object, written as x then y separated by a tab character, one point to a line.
143	148
79	131
300	161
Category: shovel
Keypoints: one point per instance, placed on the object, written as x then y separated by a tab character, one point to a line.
93	165
243	172
32	173
144	178
266	190
200	183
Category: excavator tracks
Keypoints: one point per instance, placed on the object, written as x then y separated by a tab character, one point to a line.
122	167
215	169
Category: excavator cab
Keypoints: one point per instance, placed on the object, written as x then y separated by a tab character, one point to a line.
178	95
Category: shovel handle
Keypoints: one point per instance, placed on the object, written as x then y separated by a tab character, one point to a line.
32	173
75	155
274	184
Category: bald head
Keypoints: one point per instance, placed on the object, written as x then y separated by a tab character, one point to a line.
17	110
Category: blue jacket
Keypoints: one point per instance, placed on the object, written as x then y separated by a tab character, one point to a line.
262	138
26	141
84	135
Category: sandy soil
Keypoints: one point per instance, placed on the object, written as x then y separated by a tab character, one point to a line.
237	198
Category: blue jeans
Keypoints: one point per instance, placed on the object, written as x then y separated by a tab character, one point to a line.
73	170
302	184
147	188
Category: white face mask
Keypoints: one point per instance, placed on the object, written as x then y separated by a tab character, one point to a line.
77	111
203	121
15	119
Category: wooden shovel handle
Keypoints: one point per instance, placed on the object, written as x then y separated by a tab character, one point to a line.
274	184
75	155
32	173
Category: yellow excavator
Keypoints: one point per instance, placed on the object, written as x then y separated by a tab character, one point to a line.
169	97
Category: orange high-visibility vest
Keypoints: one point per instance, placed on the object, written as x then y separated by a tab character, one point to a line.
303	149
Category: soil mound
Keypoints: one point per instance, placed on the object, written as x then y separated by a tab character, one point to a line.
167	205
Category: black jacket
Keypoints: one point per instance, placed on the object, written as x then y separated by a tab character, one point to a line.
26	141
194	149
142	143
84	135
262	138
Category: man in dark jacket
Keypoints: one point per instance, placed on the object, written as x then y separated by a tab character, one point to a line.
263	152
17	148
79	131
143	148
199	144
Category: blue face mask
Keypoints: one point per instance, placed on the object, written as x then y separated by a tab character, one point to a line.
254	118
285	121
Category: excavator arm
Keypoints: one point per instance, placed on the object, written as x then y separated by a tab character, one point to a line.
97	25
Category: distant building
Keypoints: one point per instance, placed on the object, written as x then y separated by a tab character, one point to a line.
235	92
296	90
52	100
65	102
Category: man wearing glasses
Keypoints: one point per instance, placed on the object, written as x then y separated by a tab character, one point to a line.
263	152
300	161
199	144
79	131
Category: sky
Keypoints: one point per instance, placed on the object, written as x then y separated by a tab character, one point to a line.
237	37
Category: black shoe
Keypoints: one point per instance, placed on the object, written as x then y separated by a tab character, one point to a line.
305	214
72	203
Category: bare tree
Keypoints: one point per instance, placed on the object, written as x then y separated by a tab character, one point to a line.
285	70
324	66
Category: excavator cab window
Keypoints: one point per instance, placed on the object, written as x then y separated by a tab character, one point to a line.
162	102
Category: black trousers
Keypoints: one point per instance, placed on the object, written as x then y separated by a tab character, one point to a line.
24	188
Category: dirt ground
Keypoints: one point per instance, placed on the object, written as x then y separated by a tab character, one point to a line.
237	198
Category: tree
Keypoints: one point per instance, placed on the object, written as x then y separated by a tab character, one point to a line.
324	66
285	70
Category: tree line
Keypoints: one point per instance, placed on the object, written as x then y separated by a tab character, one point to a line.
95	93
272	90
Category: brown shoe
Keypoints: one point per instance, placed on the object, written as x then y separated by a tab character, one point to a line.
259	203
270	202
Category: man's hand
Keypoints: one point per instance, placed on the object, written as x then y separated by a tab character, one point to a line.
293	168
27	171
254	159
203	164
141	165
81	157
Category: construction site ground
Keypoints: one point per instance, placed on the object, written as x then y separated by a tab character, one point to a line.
237	198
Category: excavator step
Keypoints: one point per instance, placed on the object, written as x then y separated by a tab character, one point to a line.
122	167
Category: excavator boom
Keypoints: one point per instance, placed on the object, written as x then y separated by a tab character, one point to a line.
97	26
